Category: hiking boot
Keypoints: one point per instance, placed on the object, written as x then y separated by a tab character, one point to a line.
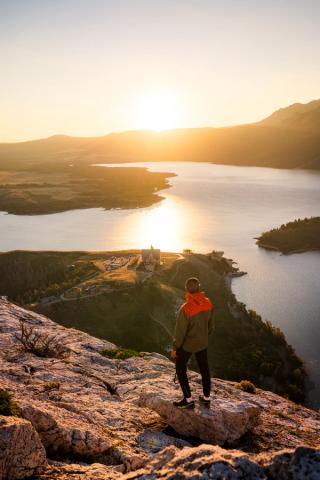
203	402
183	404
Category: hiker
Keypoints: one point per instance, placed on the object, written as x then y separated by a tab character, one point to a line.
193	327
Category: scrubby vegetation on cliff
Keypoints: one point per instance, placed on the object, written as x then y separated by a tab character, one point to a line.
8	406
299	235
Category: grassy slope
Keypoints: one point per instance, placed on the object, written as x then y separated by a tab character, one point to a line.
143	317
299	235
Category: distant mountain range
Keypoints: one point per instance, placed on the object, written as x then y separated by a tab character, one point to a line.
289	138
298	116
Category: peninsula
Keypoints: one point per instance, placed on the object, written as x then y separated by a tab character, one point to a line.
50	188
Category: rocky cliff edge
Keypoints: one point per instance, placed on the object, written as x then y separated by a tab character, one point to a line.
83	415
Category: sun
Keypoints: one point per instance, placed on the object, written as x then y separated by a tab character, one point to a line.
158	111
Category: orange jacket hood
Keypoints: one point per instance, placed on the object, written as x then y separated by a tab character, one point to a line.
196	302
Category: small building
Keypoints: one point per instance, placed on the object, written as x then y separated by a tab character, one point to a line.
151	256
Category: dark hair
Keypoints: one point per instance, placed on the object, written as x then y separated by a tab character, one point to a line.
192	285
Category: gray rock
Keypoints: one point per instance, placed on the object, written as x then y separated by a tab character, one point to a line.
212	462
302	464
21	451
202	462
64	431
225	422
154	442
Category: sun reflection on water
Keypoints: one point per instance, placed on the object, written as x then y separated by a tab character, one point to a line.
162	226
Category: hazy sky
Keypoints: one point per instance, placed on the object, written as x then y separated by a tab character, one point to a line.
89	67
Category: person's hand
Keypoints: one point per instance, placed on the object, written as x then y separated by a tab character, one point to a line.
173	354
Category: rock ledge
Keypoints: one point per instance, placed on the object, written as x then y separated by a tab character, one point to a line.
224	422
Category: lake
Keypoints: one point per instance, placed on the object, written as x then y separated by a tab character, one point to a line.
209	207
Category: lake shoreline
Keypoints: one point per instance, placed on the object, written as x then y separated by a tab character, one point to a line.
290	252
296	236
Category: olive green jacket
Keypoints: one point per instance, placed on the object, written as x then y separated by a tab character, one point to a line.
192	331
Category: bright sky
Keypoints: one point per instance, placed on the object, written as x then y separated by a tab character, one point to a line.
89	67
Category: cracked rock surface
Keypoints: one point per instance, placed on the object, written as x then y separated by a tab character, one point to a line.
225	422
21	451
107	417
213	462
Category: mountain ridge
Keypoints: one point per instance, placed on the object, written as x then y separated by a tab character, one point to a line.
297	116
292	108
288	138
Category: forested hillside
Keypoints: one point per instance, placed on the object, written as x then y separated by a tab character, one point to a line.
299	235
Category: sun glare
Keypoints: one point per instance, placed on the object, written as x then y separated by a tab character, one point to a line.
158	111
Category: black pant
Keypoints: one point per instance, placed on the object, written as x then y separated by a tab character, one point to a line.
181	369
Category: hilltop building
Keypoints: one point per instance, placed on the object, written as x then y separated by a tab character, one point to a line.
151	256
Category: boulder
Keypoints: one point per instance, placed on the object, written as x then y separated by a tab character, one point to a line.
21	451
58	470
225	422
303	463
203	462
66	432
208	461
154	442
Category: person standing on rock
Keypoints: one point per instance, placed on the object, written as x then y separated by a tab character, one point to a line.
193	327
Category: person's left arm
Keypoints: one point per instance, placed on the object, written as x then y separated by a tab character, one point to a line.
180	331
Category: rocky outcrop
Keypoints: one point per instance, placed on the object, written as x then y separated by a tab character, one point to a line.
301	464
21	451
96	416
225	422
62	431
206	462
79	471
